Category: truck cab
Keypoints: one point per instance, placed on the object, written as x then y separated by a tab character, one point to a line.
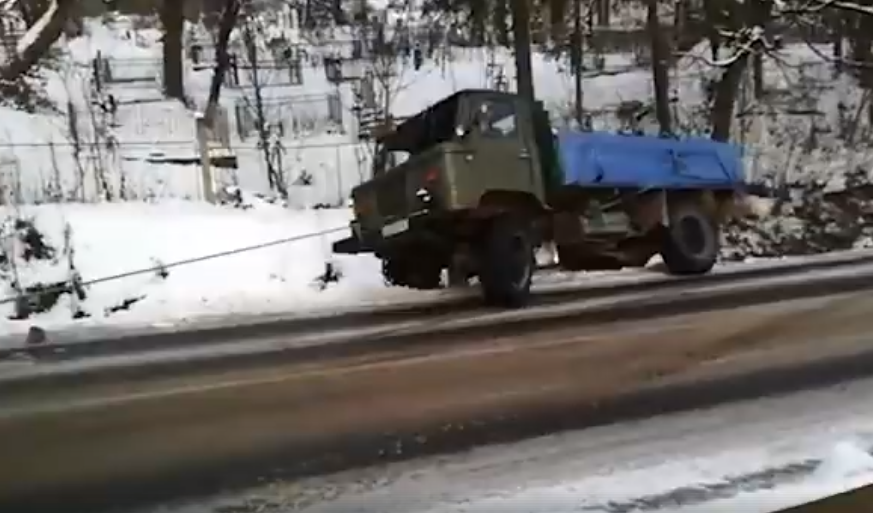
475	182
445	159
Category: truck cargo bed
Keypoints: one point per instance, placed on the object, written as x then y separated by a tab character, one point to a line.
600	159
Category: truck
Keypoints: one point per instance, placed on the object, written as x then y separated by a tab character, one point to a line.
476	182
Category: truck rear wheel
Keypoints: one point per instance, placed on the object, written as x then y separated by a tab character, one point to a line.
507	262
691	242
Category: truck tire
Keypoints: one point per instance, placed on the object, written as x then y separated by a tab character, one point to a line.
404	272
507	262
691	242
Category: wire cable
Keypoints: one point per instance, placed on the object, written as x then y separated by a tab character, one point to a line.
179	263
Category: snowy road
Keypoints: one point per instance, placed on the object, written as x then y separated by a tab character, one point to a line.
751	457
334	337
550	288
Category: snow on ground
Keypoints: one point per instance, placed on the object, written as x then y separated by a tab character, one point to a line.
120	238
822	465
846	467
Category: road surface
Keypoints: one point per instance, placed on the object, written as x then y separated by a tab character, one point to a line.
752	457
123	443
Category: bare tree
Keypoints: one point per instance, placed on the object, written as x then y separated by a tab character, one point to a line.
275	176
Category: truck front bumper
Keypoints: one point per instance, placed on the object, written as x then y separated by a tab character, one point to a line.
350	246
395	233
360	242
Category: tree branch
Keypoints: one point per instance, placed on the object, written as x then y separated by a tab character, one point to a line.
37	40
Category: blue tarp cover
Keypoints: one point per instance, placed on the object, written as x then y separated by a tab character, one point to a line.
601	159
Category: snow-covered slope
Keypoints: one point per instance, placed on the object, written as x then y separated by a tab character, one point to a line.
799	135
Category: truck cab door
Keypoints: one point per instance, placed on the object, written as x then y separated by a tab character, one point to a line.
504	154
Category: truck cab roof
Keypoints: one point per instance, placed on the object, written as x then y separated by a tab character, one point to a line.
434	124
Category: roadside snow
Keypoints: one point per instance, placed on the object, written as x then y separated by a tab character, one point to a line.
846	467
119	238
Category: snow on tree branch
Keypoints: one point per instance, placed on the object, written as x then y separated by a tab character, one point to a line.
37	40
816	6
745	42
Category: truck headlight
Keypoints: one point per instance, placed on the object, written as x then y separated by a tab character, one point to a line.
424	196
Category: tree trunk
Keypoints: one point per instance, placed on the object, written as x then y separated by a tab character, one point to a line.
725	98
173	21
861	46
758	75
521	41
576	58
603	13
226	24
837	37
38	40
660	67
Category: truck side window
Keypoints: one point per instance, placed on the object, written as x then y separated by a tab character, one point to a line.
499	121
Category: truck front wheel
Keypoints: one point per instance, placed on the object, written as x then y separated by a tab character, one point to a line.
507	262
691	242
406	271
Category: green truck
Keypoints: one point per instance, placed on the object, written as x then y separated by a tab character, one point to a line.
476	182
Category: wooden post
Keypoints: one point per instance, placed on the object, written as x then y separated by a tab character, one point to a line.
205	165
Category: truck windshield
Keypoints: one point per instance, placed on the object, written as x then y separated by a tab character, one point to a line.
425	129
384	159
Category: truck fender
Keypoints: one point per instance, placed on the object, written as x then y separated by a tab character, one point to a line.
499	201
651	209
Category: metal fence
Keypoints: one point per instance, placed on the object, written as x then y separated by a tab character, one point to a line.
296	116
40	172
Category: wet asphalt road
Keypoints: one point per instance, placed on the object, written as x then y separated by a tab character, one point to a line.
688	460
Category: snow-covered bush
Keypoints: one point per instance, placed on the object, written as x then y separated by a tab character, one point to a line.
807	219
24	252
